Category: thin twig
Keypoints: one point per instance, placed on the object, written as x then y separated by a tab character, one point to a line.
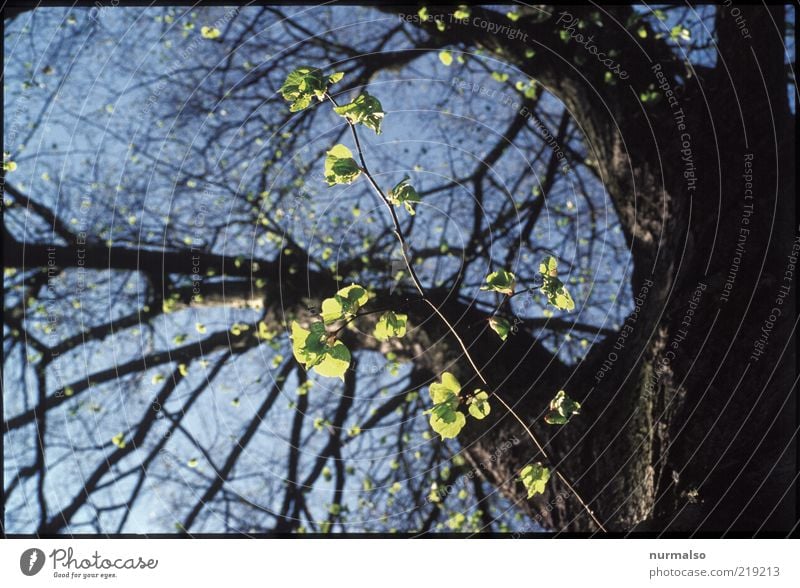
418	285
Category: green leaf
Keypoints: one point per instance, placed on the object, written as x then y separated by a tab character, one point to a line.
119	440
442	391
534	477
513	16
500	326
446	57
305	83
457	521
478	405
344	304
365	110
308	345
555	290
445	418
390	325
680	32
340	167
335	362
462	12
210	32
313	349
447	421
264	334
500	281
405	194
562	407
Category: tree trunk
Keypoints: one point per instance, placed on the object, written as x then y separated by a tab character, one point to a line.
688	414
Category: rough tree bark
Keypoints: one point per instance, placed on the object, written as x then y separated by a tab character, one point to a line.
681	429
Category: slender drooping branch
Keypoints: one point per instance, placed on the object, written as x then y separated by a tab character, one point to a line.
398	231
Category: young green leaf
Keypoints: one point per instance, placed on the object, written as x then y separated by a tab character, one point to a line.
305	83
500	326
390	324
210	33
441	391
446	57
340	167
552	287
313	350
562	407
119	440
335	362
365	110
500	281
534	477
344	304
445	418
462	12
405	194
308	345
478	405
457	521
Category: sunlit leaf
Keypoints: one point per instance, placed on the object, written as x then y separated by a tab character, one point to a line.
119	440
500	326
390	324
365	110
340	167
314	349
456	522
405	194
478	406
334	362
562	407
344	304
210	32
462	12
445	417
553	288
534	477
500	281
305	83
